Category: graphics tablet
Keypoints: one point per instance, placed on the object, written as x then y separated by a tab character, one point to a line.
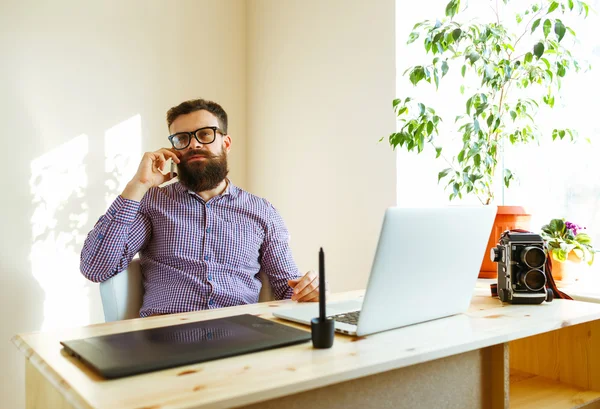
136	352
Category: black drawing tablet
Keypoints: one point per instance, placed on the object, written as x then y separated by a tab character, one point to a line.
136	352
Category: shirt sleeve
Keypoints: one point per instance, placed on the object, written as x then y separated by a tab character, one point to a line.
115	239
276	257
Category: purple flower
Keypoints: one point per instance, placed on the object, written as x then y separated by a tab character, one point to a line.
573	227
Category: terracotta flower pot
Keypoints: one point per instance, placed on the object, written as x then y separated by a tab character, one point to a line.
568	271
507	218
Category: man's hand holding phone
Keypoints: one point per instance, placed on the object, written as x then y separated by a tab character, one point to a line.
150	173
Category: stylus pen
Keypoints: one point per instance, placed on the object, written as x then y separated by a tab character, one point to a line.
321	285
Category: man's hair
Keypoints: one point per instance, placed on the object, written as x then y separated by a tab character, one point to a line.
197	105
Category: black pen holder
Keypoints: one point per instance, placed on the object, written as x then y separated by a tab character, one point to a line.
322	332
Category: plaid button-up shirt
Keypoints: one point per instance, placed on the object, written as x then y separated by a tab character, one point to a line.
194	254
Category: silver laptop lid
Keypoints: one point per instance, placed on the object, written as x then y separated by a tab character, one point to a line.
426	265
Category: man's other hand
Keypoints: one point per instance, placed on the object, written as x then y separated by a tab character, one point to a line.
306	288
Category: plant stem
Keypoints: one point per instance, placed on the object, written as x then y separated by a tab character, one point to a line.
527	26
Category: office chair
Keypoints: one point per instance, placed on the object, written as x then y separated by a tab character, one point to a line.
122	295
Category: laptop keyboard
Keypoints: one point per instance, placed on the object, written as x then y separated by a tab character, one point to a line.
347	318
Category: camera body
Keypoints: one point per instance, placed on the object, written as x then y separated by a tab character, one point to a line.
521	260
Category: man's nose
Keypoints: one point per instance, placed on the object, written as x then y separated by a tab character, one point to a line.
194	144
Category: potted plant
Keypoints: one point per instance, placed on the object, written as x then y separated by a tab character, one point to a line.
568	247
513	73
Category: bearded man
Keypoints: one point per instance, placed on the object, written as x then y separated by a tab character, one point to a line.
202	241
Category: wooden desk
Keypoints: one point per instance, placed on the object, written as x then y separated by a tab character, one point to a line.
457	362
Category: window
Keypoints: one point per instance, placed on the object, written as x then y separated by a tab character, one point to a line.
555	179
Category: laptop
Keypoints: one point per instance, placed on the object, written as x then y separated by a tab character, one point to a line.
425	267
136	352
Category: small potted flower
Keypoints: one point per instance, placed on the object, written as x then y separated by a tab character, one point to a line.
567	246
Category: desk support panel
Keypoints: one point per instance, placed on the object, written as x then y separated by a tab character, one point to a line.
463	381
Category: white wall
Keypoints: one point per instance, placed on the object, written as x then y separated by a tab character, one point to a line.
84	88
321	80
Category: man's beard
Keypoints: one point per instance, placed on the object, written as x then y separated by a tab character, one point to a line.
202	175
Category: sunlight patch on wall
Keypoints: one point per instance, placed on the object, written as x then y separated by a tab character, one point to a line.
57	184
122	154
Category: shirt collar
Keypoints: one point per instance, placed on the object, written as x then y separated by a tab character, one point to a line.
230	189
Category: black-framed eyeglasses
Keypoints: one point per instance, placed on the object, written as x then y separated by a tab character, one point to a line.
205	136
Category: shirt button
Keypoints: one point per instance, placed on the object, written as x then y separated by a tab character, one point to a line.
208	206
210	302
112	212
100	236
209	278
206	258
208	229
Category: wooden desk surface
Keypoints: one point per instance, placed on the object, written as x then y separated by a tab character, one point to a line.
270	374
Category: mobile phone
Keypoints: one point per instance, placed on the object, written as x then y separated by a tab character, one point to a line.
172	168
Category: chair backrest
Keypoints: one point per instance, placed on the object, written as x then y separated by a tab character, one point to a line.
123	294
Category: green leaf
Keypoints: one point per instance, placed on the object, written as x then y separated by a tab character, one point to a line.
443	173
546	62
538	49
417	74
535	24
528	57
461	156
583	238
429	127
557	225
420	142
547	27
477	160
559	254
456	189
489	71
570	4
452	8
462	89
559	29
412	37
553	7
436	78
513	115
463	70
444	68
508	175
456	33
473	57
438	152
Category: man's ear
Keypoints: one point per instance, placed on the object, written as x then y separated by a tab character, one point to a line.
227	143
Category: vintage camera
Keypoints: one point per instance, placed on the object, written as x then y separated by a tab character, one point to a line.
521	262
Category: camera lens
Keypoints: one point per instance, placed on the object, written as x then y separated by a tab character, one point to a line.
534	279
533	257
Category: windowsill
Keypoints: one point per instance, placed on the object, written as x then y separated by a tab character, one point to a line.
585	289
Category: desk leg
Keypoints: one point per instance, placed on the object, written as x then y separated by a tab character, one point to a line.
499	373
40	393
464	381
